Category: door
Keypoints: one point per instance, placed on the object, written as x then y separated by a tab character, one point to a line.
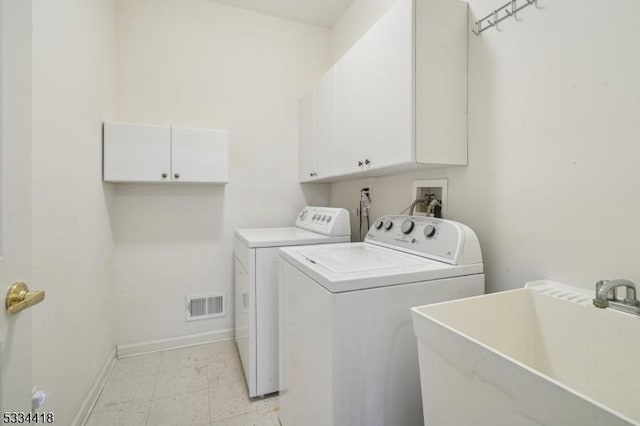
15	199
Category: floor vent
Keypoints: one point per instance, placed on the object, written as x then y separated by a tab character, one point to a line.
207	306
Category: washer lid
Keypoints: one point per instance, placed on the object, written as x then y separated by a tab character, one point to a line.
358	266
361	257
278	237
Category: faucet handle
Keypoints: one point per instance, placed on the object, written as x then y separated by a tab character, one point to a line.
611	295
631	298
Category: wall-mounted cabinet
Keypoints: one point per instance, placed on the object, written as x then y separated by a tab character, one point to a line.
400	95
146	153
317	130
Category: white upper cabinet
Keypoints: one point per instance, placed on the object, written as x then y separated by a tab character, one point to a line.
199	155
317	130
400	93
136	153
145	153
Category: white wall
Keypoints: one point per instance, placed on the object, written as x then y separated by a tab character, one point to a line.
73	91
551	186
201	64
354	23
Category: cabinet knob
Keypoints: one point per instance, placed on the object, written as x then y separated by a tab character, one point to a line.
177	175
367	162
359	163
164	175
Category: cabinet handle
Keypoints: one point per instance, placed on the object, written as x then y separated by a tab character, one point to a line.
367	162
164	175
177	175
359	163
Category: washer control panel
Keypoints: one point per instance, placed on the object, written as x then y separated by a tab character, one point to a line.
325	220
434	238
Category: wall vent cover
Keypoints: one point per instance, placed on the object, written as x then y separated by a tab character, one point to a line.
206	306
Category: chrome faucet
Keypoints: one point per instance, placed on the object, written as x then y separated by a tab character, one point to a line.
606	296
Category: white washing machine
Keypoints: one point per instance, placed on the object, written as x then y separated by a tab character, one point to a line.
256	287
347	350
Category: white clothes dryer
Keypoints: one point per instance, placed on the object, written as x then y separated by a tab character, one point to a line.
347	350
256	287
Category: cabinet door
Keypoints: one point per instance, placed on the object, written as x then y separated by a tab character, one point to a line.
306	137
352	107
136	153
325	125
375	94
199	155
388	73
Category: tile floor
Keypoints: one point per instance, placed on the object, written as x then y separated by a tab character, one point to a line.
200	385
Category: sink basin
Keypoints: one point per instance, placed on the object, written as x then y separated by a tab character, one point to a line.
540	355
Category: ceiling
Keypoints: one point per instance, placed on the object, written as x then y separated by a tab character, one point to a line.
323	13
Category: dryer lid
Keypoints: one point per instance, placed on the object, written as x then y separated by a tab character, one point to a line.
279	237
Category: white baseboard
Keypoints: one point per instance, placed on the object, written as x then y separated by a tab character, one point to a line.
94	392
135	349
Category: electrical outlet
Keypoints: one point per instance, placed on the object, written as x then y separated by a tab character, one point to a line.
370	186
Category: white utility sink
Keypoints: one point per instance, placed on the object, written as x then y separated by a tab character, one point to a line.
541	355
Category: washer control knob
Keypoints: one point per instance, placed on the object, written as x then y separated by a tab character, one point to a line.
388	224
378	224
429	231
303	214
407	226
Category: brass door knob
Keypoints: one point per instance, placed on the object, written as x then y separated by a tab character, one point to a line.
20	298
